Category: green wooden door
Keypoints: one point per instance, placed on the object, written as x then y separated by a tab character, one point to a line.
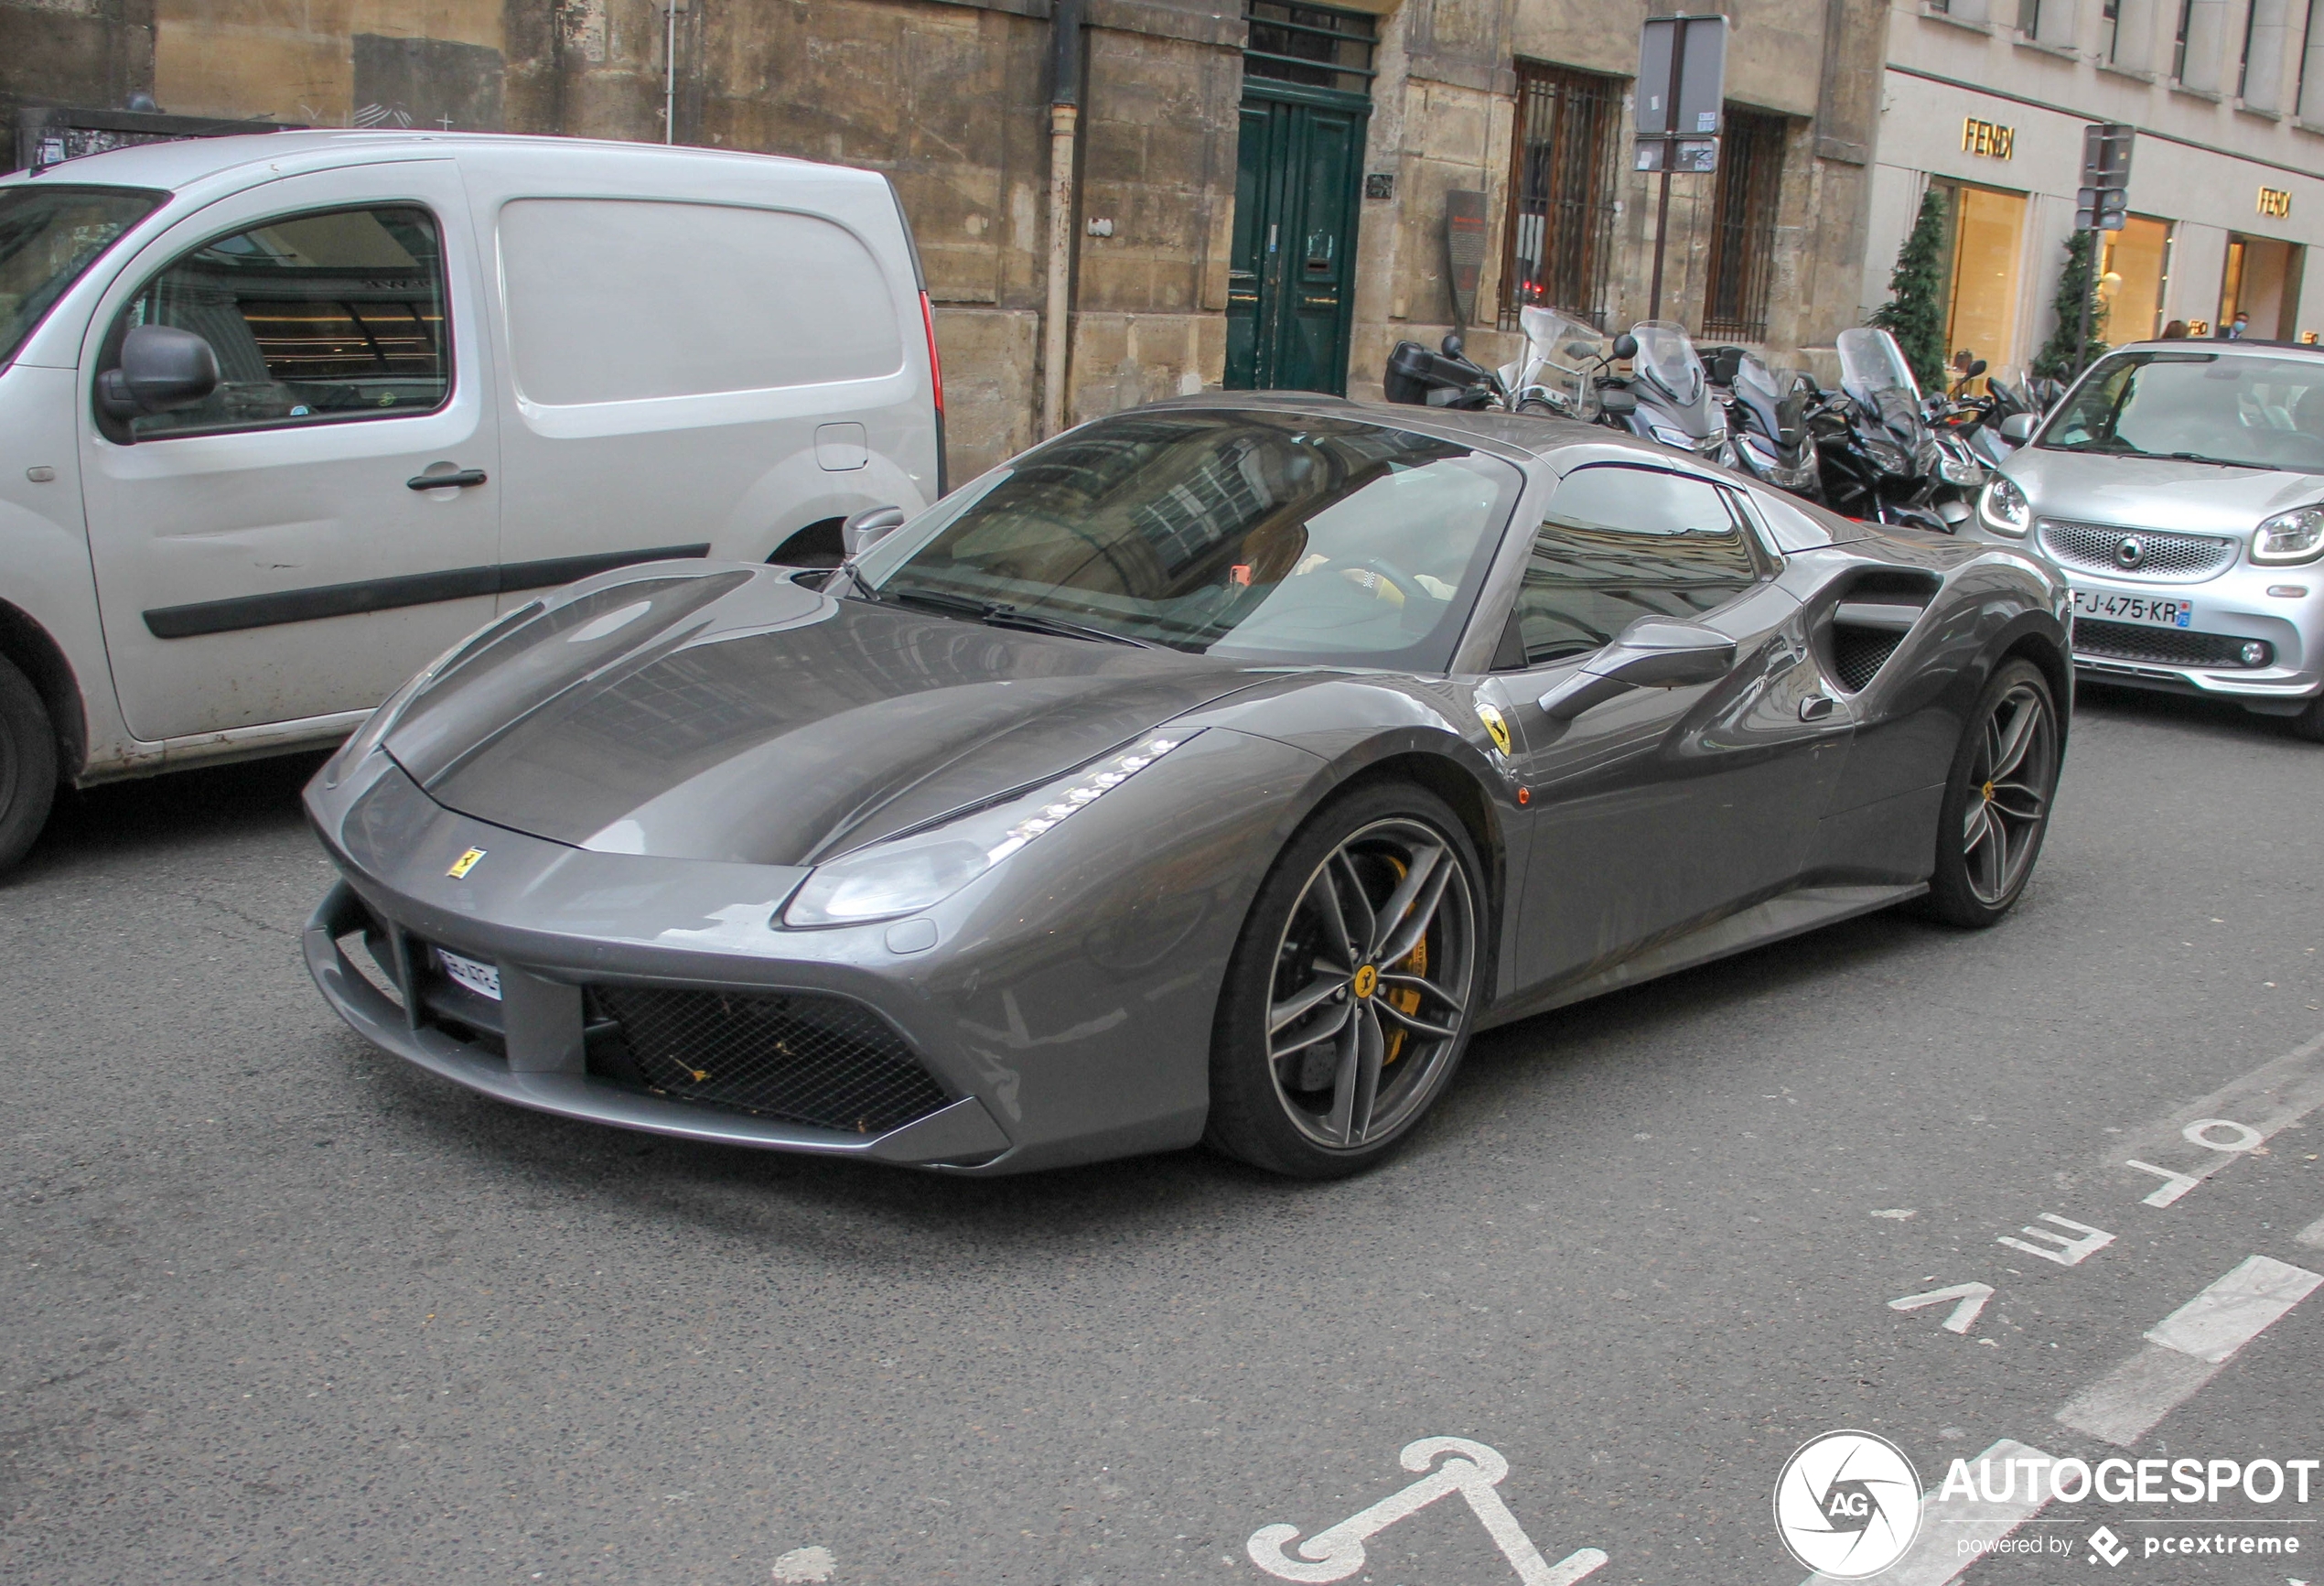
1291	279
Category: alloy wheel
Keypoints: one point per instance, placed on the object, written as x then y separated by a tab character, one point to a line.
1372	980
2011	780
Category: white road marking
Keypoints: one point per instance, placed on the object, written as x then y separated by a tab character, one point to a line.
2236	1310
1973	1298
2175	1184
1935	1557
805	1567
1474	1471
2275	1096
2313	1234
2069	1252
2186	1349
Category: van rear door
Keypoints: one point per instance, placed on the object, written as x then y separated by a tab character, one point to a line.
270	554
705	368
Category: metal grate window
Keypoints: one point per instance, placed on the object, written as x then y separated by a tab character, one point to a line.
1743	208
1560	248
1311	44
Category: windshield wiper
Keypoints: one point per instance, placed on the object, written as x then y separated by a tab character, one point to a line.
2214	461
998	614
2124	448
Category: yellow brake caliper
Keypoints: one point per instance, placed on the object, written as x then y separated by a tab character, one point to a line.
1405	998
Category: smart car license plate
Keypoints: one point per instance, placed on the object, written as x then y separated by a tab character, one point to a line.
2144	609
484	979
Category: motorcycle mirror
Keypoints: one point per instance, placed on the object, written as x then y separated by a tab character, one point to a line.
1451	345
1625	345
1976	368
1579	350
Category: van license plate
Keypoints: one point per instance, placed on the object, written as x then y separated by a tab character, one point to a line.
484	979
2144	609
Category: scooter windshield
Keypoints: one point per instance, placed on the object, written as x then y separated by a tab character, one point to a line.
1873	372
1561	356
1666	356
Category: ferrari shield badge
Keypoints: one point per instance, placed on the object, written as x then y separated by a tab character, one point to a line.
463	864
1494	724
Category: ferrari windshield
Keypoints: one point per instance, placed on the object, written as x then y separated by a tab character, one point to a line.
1262	535
2243	410
48	235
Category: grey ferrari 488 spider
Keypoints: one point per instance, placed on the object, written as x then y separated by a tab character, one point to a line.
1212	771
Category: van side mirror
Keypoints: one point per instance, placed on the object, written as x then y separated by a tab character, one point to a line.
162	367
2017	429
868	527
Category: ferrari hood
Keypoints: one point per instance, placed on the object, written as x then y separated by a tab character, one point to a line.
729	714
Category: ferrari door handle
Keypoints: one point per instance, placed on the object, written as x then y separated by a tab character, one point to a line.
1816	707
456	480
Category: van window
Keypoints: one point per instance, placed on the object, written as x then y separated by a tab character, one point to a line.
316	318
1620	543
616	300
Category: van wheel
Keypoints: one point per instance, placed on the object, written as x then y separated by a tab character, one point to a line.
28	764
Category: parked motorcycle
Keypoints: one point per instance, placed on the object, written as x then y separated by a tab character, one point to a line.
1877	458
1767	416
1673	388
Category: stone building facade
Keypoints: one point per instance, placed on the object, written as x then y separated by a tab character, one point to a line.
950	98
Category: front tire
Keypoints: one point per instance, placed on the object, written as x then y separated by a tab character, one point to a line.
2310	723
28	764
1997	801
1353	989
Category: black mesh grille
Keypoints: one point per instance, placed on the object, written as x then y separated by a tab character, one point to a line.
1858	652
2165	646
799	1056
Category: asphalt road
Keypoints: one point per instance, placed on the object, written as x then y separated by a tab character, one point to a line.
279	1309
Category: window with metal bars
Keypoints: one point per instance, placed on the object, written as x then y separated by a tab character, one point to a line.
1311	44
1750	184
1559	247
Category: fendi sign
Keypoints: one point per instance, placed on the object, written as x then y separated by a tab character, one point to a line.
1988	138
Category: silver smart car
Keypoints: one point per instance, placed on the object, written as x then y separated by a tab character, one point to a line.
2180	487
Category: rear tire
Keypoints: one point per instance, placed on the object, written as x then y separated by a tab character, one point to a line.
1997	800
1353	988
28	764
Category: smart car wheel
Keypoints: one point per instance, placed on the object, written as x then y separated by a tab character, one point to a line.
1353	988
1996	805
2310	723
28	765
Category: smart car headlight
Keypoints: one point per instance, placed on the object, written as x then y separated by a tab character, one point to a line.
2003	507
2293	536
903	875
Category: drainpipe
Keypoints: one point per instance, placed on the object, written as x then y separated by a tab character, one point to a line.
1065	112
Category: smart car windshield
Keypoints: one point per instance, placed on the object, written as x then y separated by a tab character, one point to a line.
48	235
1270	536
2240	410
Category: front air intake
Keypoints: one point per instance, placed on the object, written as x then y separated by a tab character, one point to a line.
802	1056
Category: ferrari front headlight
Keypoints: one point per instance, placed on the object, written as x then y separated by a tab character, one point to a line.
2003	507
2293	536
903	874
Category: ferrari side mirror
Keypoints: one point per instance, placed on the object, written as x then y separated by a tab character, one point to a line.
1652	652
868	527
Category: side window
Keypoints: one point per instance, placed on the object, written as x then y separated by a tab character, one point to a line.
316	318
1620	543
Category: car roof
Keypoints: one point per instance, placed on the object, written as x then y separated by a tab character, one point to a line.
2218	344
1516	436
183	162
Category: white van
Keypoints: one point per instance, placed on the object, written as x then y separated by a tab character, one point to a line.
282	416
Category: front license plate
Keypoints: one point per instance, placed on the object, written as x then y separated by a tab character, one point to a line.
2144	609
484	979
